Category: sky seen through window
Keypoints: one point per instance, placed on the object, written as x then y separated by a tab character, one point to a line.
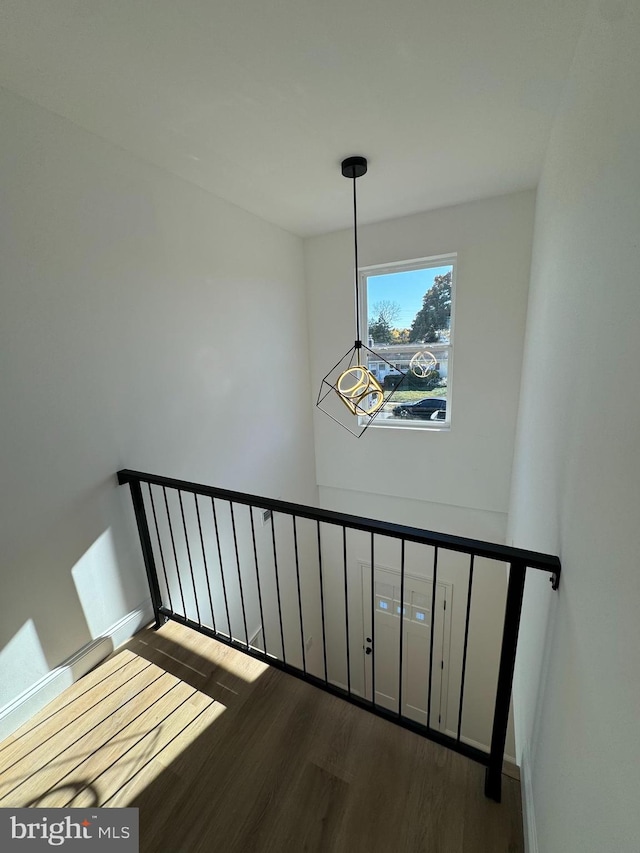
407	288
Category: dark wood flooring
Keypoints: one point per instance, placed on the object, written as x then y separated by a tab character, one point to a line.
223	754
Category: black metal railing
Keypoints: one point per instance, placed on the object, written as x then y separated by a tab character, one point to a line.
317	593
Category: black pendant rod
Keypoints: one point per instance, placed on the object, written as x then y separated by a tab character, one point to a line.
355	256
354	168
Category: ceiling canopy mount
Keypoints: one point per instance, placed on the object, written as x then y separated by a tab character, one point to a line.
354	167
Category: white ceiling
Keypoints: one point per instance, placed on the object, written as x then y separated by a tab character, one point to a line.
258	101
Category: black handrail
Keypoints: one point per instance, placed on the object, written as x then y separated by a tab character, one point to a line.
518	559
476	547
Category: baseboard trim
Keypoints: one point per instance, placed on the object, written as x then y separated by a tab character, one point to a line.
528	811
135	621
345	687
32	700
483	747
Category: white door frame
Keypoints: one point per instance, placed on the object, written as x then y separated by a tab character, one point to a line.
365	575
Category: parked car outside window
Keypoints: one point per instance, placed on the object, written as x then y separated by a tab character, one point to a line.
431	408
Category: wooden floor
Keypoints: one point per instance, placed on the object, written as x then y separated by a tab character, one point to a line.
222	754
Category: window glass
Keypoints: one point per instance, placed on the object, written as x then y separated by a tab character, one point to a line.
407	311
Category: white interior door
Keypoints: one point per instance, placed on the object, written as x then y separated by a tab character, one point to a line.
416	637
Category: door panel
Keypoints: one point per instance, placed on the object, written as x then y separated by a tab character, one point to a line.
416	636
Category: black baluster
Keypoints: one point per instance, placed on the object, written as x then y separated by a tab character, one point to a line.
186	539
235	545
204	560
433	625
222	578
466	643
324	638
373	625
346	606
295	548
164	568
402	544
275	564
175	555
255	557
515	590
147	550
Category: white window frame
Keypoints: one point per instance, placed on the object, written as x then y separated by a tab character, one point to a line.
434	261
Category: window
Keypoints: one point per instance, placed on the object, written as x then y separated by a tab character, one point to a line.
407	311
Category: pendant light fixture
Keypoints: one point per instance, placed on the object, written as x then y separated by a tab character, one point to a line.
350	393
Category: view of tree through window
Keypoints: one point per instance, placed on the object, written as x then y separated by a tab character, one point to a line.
408	315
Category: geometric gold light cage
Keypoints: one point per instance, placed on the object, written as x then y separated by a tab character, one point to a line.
351	395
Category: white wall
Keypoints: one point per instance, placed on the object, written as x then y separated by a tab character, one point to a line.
453	481
577	466
470	465
136	314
